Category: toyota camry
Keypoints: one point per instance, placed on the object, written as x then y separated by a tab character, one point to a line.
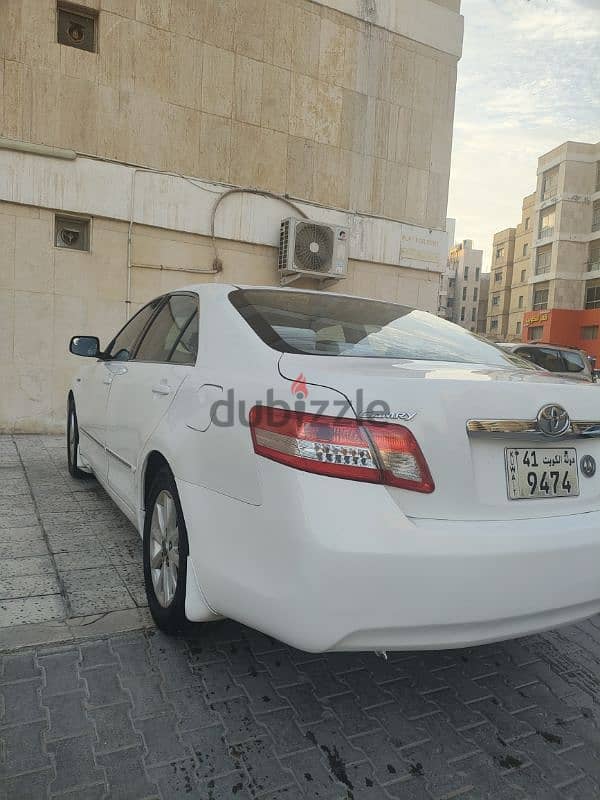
341	473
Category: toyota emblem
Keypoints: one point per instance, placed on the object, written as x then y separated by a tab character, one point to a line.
553	420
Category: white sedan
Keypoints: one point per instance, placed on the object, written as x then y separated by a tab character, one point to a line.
341	473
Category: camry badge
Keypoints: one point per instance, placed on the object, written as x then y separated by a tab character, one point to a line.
553	420
405	416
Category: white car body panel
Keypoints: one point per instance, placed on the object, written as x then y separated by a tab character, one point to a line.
325	563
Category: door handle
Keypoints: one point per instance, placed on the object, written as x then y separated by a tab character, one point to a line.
161	388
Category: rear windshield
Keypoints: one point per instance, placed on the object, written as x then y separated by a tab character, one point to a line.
327	325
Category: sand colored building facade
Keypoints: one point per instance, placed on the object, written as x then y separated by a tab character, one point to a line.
501	278
464	284
555	286
118	146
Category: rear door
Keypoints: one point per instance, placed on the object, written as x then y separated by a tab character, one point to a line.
141	395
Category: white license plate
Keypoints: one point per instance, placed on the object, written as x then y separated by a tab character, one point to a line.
541	472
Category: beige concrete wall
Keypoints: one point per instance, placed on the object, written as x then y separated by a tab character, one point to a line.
48	294
501	277
521	288
285	95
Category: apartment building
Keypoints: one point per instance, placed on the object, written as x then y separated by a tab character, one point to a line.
484	294
464	284
555	284
501	279
565	300
521	290
124	124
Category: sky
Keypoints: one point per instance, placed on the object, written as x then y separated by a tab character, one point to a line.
528	80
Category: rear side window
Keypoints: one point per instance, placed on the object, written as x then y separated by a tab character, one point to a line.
331	325
123	345
170	334
573	361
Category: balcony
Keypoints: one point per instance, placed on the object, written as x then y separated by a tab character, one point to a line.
546	233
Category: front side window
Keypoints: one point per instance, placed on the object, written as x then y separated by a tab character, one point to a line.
498	276
475	294
464	292
123	345
466	273
462	314
328	325
518	329
547	223
520	301
169	337
546	358
525	249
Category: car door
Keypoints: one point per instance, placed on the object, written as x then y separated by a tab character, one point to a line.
141	395
93	387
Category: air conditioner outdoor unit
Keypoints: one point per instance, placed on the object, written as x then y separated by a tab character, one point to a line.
312	249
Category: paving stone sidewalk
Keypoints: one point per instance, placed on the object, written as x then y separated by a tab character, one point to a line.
226	713
67	552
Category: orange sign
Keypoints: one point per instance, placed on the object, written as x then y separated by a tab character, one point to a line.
537	318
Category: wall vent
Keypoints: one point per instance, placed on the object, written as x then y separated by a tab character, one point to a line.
77	27
72	233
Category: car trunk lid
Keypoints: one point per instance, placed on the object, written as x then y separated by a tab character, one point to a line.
435	400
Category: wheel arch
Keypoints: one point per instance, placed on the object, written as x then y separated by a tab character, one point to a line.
153	463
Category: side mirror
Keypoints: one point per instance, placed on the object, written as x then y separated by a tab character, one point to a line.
87	346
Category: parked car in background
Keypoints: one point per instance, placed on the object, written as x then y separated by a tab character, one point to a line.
341	473
566	361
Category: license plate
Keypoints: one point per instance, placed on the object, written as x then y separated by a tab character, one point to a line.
541	472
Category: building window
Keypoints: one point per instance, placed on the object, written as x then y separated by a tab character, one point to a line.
540	299
535	333
520	301
594	259
462	314
494	324
451	283
498	276
589	332
525	249
72	233
598	176
473	315
475	294
464	292
547	218
495	299
596	216
543	260
499	252
523	275
466	274
477	273
518	329
592	294
549	184
76	27
527	223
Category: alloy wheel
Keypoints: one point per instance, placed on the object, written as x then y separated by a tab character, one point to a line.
164	548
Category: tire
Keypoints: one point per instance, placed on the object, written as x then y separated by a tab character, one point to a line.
165	535
73	442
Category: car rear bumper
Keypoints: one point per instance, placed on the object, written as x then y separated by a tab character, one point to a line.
328	564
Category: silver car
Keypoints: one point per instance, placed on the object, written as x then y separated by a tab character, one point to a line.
566	361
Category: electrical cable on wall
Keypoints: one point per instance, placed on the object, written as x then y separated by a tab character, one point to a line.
217	262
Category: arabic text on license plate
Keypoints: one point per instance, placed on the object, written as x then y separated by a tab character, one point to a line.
541	472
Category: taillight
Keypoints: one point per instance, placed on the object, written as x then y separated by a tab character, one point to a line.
376	452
